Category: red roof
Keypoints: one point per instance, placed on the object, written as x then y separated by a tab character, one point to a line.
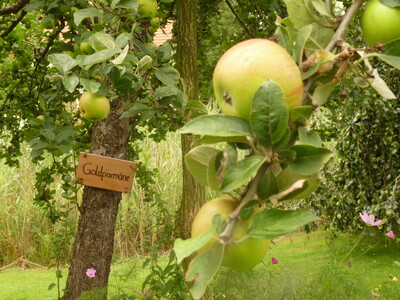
163	34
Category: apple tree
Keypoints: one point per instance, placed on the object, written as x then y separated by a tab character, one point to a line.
261	151
56	51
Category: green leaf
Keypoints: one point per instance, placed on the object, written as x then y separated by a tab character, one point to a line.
82	14
121	57
185	248
65	134
301	114
287	177
51	286
101	40
309	158
301	39
122	39
202	270
206	140
202	164
100	56
128	4
271	223
70	82
63	62
242	172
167	75
267	186
394	61
217	125
269	114
48	133
393	48
298	13
166	91
309	137
322	92
89	85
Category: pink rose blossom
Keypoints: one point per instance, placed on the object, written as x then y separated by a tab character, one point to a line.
91	273
370	219
274	261
390	234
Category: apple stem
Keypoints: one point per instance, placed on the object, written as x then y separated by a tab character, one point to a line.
226	235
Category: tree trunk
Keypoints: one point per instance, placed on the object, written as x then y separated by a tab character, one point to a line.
193	195
94	241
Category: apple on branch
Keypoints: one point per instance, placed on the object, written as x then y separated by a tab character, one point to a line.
244	253
93	107
246	66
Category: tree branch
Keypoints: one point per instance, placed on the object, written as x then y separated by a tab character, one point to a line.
226	235
13	24
239	19
13	9
341	30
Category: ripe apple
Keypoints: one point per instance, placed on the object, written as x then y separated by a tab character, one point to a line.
147	9
380	23
93	107
244	67
240	257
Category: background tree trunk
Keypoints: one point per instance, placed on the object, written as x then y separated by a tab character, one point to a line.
94	241
193	195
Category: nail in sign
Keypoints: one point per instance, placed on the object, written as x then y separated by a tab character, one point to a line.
105	172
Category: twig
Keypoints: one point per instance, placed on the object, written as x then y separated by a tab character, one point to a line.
239	19
226	235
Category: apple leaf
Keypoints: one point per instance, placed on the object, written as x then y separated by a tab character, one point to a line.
322	92
201	162
99	57
82	14
309	137
301	39
121	57
70	82
271	223
287	177
298	12
206	140
390	3
392	60
267	186
129	4
202	270
393	48
240	173
89	85
217	125
63	62
101	40
269	114
167	75
309	158
185	248
300	114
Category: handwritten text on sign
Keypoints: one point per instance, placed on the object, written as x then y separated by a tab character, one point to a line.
105	172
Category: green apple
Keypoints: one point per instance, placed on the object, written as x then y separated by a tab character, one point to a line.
147	9
380	23
238	256
243	68
49	22
86	48
93	107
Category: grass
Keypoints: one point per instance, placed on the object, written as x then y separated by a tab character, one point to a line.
313	266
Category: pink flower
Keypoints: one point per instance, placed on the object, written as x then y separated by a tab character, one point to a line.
274	261
91	273
375	294
390	234
370	219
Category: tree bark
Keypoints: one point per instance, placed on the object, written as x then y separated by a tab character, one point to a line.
94	241
193	194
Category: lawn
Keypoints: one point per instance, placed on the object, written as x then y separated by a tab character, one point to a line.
311	266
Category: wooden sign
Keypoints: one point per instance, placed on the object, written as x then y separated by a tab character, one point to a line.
105	172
